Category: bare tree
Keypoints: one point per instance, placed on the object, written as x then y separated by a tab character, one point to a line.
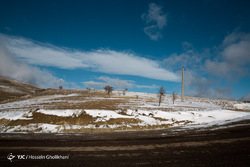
108	89
125	90
161	94
174	97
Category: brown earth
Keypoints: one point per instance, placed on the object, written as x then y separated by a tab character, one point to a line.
10	89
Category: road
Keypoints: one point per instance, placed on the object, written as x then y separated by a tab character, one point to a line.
227	146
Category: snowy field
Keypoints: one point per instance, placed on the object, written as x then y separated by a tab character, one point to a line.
93	111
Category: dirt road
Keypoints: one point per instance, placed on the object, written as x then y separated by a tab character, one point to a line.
227	146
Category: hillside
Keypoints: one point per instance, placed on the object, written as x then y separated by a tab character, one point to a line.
79	111
10	89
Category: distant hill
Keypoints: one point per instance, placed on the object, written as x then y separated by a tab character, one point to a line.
10	89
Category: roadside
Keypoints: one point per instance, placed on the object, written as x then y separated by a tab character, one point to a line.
227	145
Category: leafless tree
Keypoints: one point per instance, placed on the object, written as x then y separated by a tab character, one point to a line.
108	89
161	94
125	90
174	97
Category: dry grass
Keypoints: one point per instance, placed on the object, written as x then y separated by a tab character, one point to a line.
82	119
95	99
161	119
3	121
15	89
119	121
236	109
104	104
183	122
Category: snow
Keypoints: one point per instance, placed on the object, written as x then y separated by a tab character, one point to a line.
12	115
105	115
45	128
29	102
242	106
71	95
61	113
198	118
5	87
48	128
193	112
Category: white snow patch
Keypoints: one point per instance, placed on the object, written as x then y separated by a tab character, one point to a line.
242	106
13	115
74	94
29	102
5	87
61	113
48	128
43	128
105	115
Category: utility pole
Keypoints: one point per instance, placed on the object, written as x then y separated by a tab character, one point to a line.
60	84
182	86
119	87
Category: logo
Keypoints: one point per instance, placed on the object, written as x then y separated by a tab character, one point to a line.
10	157
21	156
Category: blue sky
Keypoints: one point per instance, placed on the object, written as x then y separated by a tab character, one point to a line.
144	44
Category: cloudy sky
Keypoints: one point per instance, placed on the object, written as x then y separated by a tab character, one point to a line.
142	44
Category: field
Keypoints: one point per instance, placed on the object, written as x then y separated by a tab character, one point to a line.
80	111
90	128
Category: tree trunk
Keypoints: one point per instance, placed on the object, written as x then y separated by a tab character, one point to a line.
160	100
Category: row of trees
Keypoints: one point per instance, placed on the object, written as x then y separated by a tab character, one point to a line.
109	90
161	94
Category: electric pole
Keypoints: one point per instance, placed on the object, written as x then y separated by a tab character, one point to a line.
119	87
60	84
182	86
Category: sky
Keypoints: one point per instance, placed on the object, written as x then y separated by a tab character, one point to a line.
142	45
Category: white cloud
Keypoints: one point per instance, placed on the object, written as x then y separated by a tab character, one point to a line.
153	32
238	53
42	54
225	63
199	86
235	37
114	82
218	68
246	97
147	87
197	82
94	84
187	59
114	62
233	59
20	71
102	60
156	20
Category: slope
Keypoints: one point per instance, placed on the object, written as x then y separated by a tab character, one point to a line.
10	89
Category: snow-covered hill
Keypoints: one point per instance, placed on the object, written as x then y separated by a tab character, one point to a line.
91	111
